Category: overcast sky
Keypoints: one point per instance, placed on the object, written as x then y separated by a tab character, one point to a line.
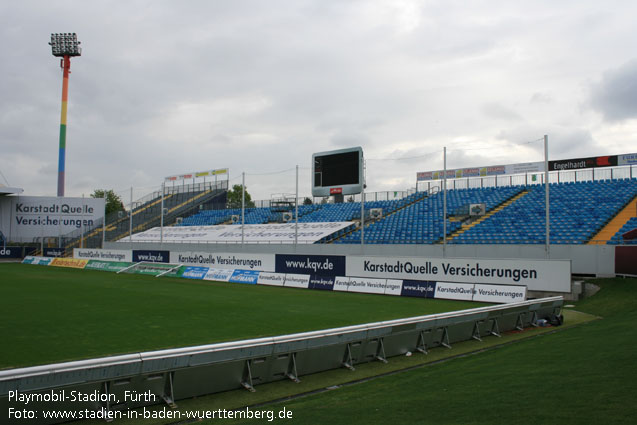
169	87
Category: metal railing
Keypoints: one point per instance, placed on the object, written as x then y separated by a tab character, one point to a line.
170	375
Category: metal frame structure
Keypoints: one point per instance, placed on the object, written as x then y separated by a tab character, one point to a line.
181	373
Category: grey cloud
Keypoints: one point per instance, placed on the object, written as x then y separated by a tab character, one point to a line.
615	96
500	112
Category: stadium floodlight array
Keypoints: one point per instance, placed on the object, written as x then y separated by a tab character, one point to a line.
65	44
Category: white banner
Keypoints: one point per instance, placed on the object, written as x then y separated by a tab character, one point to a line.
491	170
368	286
499	293
393	287
536	275
196	174
220	275
272	279
24	218
224	260
627	159
454	291
341	283
297	281
252	233
103	254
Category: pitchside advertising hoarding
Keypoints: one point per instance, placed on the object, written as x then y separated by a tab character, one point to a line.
103	254
322	265
195	272
536	275
463	291
16	251
24	218
225	260
150	256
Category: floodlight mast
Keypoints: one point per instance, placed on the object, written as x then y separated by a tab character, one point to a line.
64	45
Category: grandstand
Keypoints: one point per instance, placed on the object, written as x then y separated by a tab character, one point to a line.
514	215
588	210
178	202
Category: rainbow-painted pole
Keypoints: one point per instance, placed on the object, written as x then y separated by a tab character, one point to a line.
64	45
66	66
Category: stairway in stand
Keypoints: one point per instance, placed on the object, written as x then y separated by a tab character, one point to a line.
500	207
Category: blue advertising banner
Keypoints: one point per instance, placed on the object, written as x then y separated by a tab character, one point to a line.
325	283
151	256
418	288
245	276
54	252
195	272
16	251
317	265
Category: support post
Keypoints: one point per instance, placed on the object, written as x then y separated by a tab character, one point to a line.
476	331
292	372
130	219
104	222
161	219
444	340
363	218
348	362
82	224
66	67
246	380
546	195
296	210
169	394
380	351
495	329
444	204
243	206
421	345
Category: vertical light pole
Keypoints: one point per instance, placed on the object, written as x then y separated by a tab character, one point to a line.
444	203
547	218
64	45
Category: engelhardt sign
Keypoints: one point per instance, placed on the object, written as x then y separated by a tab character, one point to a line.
536	275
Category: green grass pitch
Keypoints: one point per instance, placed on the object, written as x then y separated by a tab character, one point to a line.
51	314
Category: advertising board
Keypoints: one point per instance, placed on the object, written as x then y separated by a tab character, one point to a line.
224	260
103	254
536	275
321	265
24	218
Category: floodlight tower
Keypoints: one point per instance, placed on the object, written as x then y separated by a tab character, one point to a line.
64	45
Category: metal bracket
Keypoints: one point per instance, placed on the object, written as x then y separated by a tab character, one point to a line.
169	395
347	358
495	329
534	319
421	345
380	351
292	373
476	331
169	270
107	417
519	323
246	380
444	340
